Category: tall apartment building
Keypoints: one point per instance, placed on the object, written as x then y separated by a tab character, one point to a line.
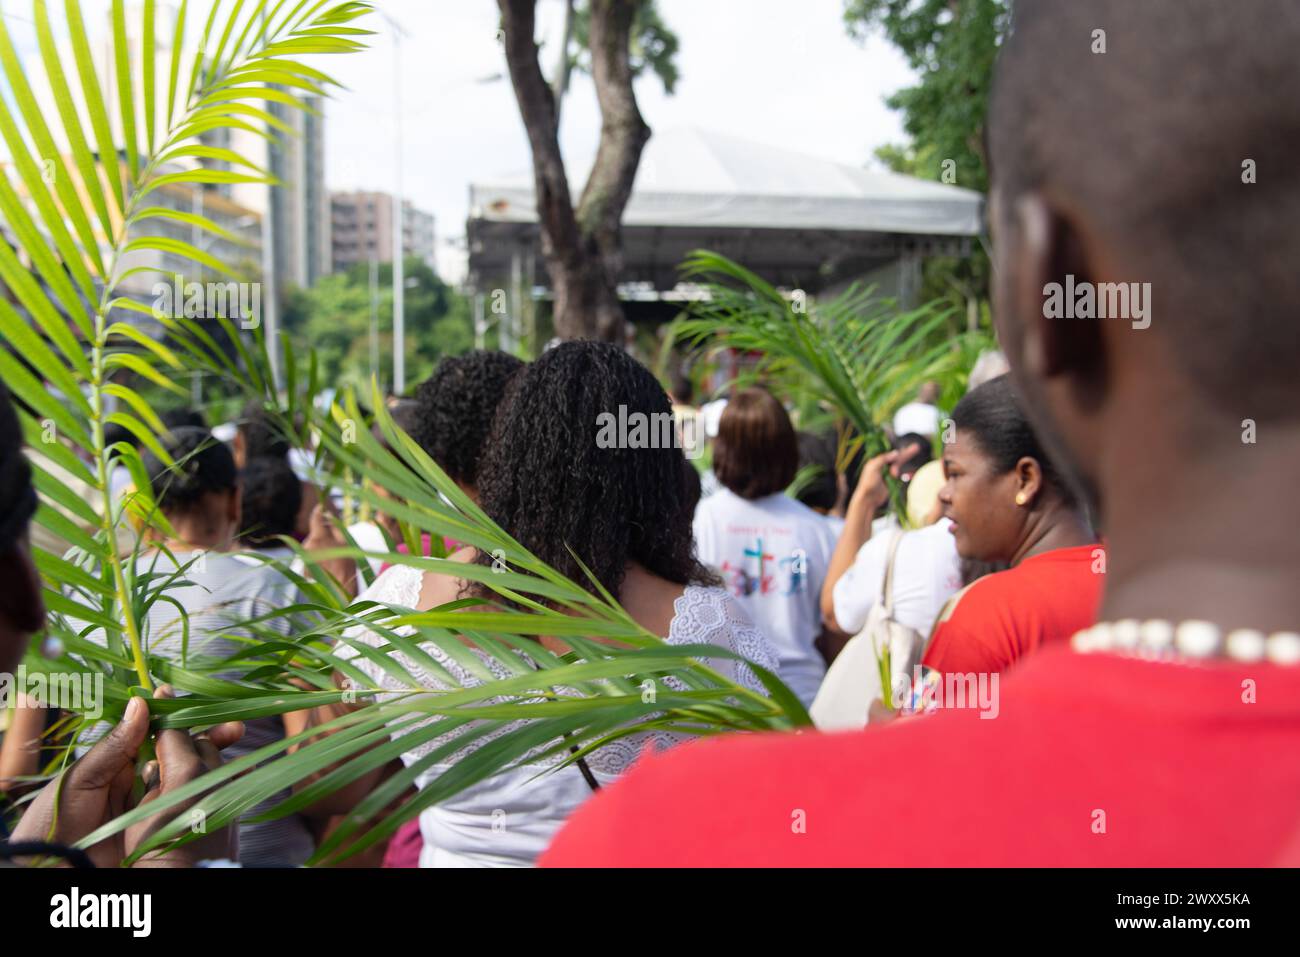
361	226
299	208
299	211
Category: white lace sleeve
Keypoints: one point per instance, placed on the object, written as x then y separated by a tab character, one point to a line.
711	615
701	615
399	586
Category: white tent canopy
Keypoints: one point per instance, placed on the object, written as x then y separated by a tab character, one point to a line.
693	178
798	221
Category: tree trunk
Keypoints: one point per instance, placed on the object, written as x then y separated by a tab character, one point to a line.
582	247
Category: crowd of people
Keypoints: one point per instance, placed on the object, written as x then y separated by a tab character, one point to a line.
1089	536
747	567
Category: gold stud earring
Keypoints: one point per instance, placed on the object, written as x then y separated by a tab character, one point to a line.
1021	498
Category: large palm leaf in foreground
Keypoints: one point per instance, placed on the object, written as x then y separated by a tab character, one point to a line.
617	679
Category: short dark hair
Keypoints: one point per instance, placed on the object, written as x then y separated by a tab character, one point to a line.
694	488
679	383
923	455
405	414
1186	92
993	416
262	437
202	465
822	490
756	452
456	407
175	418
270	497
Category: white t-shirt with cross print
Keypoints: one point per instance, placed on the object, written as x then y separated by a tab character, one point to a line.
772	554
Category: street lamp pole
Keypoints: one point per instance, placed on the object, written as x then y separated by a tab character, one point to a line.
374	318
399	283
270	316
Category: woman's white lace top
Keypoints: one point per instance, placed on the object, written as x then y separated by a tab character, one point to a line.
510	818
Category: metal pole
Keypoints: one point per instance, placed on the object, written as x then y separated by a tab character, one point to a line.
399	281
480	322
270	318
196	240
374	318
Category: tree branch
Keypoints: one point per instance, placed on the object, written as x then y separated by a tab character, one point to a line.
560	236
623	132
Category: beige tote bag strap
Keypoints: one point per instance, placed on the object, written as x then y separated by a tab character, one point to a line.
887	584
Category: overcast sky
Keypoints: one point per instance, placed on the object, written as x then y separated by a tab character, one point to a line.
781	72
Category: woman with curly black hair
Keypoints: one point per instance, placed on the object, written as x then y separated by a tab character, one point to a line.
455	407
449	419
554	480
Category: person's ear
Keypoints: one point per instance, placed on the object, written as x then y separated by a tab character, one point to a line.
1029	481
20	599
1051	249
234	509
239	450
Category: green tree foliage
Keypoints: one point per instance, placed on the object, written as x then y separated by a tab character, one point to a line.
333	318
653	45
952	45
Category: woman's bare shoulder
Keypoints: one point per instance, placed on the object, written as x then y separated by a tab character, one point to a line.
440	587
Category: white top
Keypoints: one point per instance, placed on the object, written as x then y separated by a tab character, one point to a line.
369	537
919	417
509	819
773	554
712	414
927	572
219	591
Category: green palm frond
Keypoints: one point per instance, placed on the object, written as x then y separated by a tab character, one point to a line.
82	201
855	354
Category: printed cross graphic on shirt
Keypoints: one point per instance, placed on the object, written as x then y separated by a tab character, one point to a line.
764	581
791	571
797	565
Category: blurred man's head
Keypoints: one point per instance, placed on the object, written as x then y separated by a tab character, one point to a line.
1167	159
270	498
259	436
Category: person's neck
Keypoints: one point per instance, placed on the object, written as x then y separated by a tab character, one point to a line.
1211	535
1056	527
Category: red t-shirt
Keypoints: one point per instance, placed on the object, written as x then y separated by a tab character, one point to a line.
1093	760
1001	618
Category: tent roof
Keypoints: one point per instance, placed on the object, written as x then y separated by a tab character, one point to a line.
695	178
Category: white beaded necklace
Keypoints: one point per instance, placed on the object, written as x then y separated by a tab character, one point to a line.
1196	640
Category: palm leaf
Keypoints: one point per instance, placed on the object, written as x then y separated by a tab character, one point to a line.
855	354
101	591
